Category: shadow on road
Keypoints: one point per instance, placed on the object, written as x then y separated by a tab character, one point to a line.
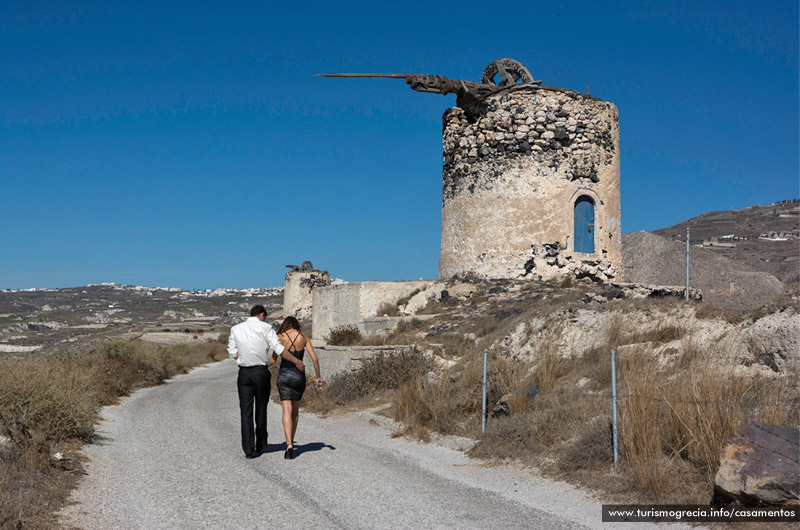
299	449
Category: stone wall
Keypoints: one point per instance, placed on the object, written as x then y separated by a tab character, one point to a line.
512	173
350	304
298	288
338	359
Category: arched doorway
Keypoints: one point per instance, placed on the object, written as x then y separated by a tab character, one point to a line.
584	225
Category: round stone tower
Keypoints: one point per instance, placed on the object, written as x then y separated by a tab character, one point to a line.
531	186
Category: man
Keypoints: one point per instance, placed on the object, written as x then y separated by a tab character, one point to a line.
249	343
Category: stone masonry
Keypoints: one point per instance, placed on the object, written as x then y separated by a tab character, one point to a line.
298	290
513	171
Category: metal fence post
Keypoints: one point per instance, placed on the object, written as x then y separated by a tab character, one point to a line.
614	406
687	263
483	410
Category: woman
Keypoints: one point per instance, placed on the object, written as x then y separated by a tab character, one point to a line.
291	376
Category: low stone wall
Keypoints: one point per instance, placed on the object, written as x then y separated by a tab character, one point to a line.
337	359
349	304
382	326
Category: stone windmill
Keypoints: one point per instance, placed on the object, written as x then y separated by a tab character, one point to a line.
530	177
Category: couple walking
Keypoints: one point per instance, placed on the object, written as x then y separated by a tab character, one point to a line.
249	343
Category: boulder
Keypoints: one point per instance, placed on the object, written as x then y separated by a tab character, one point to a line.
502	407
774	340
420	299
462	290
760	466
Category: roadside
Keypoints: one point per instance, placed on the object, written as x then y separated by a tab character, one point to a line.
170	458
689	377
49	408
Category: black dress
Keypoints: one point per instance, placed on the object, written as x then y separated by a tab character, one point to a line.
291	381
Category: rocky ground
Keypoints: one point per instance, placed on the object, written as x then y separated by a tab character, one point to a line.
517	317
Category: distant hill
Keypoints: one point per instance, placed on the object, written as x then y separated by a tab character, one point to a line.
764	238
650	258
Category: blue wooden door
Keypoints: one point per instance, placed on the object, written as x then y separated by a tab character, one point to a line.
584	225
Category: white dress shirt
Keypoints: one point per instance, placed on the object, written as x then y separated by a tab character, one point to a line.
250	342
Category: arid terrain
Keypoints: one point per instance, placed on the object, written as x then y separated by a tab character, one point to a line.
689	374
68	319
60	320
762	237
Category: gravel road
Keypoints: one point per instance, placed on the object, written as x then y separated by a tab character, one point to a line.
170	457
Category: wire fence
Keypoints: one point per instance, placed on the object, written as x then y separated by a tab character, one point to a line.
675	401
660	389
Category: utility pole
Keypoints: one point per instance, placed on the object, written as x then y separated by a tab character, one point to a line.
687	263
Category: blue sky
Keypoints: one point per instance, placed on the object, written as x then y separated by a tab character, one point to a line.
188	144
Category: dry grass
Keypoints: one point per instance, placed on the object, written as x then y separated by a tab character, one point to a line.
675	410
437	305
392	309
51	404
384	371
404	331
672	418
442	404
344	336
388	309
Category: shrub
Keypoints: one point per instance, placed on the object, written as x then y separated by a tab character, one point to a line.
388	309
592	448
46	402
344	336
382	371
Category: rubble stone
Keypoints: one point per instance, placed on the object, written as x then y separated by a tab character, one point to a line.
504	201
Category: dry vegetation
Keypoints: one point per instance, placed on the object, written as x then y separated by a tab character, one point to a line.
552	408
50	405
344	336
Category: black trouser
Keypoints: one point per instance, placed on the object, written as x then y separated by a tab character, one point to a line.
254	383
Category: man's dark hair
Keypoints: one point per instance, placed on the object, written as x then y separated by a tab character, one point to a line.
257	310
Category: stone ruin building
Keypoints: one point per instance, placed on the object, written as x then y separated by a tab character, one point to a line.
298	289
530	186
530	179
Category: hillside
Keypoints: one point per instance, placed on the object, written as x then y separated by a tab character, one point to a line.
764	238
725	282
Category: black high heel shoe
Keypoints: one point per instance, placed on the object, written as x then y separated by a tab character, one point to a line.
289	454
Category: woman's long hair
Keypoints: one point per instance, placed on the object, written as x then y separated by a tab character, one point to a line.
289	323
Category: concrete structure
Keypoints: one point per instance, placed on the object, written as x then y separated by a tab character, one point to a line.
337	359
351	304
531	187
299	285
